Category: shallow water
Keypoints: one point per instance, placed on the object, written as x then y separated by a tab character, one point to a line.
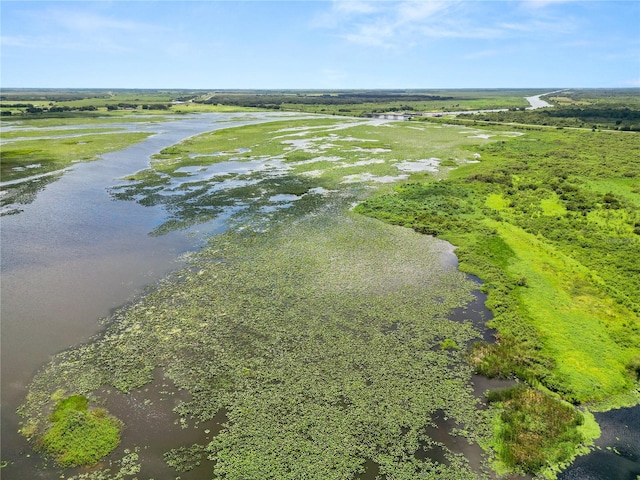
617	452
73	255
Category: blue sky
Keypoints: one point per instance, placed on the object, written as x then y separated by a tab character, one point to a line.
320	44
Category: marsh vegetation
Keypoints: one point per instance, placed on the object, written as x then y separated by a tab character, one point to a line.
78	435
552	231
321	342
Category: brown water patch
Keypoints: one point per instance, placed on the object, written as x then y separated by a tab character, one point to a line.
371	471
152	425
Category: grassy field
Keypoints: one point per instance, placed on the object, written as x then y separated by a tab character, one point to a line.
71	103
33	156
32	105
363	102
616	109
594	109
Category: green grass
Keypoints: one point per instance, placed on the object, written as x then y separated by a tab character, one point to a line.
551	230
363	102
451	105
590	361
617	109
535	431
97	119
570	243
23	134
25	158
79	436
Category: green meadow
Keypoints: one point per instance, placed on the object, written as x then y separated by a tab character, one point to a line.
20	103
617	109
552	230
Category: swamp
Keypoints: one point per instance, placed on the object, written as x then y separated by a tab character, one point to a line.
300	294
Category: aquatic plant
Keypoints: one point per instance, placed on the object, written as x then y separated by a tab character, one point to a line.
324	335
78	435
535	430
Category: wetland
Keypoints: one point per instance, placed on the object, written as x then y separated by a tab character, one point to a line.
255	325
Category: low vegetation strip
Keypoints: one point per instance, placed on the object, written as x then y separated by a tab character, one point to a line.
27	157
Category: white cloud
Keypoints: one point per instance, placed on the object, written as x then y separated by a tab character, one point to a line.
401	24
355	6
631	83
540	4
86	21
77	30
416	11
381	24
483	54
62	42
343	11
407	23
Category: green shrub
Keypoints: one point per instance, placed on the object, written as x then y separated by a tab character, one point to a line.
535	429
79	436
449	344
634	366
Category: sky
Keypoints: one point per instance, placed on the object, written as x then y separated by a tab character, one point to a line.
320	44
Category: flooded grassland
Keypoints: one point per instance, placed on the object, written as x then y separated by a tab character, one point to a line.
305	339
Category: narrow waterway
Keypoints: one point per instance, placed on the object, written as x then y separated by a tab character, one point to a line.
616	455
73	255
537	102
